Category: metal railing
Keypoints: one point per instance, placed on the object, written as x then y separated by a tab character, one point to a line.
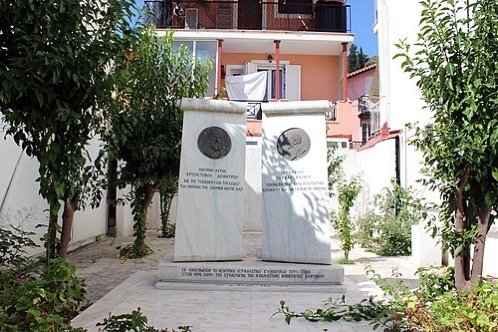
254	110
284	15
369	112
332	115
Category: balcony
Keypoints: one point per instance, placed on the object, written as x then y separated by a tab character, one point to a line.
368	112
278	15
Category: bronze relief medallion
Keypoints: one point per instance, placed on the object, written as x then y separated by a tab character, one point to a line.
214	142
293	144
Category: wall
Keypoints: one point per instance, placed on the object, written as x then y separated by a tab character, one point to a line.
376	166
319	73
360	84
252	189
343	126
22	206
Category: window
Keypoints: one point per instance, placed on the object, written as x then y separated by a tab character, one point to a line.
202	50
290	78
295	6
271	91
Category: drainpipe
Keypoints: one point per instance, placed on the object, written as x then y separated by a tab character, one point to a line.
218	69
397	152
344	71
9	185
277	71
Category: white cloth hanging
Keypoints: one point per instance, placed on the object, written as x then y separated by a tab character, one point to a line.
247	87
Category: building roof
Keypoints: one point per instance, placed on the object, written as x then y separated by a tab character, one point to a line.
362	70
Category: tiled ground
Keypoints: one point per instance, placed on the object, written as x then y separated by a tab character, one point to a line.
213	310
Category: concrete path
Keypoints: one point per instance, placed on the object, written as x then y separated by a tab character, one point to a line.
212	310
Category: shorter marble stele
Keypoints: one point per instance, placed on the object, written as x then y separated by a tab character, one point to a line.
210	210
296	225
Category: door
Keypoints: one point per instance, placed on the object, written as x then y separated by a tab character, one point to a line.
249	15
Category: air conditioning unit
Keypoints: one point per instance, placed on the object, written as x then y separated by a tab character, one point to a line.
191	18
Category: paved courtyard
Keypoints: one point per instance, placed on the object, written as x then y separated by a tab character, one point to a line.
120	286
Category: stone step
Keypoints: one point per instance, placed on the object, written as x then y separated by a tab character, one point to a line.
251	275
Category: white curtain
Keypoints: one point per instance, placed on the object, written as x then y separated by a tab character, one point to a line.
247	87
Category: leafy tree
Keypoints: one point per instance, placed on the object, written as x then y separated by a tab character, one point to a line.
54	57
146	119
348	192
356	59
353	58
455	68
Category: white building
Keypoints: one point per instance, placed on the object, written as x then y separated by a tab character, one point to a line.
390	154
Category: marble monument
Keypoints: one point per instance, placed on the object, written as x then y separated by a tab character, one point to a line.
211	182
296	224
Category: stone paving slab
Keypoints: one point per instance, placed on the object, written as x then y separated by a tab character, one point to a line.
207	310
120	286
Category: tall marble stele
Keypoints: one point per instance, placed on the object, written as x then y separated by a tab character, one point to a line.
296	224
210	210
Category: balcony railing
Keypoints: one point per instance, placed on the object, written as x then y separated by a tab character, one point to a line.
284	15
369	114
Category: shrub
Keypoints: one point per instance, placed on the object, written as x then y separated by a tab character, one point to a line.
435	306
387	229
35	295
348	192
135	321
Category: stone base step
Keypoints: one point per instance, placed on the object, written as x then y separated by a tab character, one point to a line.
251	275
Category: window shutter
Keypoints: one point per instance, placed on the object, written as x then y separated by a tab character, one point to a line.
251	68
293	82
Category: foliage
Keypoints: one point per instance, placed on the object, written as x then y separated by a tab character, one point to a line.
168	231
135	321
453	64
167	192
13	245
54	58
367	228
356	59
334	169
435	306
434	282
131	251
348	192
34	295
387	229
334	310
145	117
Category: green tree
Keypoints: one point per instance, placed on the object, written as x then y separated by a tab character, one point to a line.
54	58
352	58
146	120
348	192
356	59
456	70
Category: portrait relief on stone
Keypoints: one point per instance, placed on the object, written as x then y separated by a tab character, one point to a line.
293	144
214	142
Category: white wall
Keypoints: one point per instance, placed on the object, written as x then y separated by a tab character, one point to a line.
252	189
400	98
375	166
22	206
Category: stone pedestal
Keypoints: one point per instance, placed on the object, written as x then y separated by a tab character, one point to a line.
296	224
251	275
210	210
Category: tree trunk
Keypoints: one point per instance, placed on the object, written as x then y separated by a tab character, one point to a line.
165	212
140	240
67	225
52	230
479	245
462	259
